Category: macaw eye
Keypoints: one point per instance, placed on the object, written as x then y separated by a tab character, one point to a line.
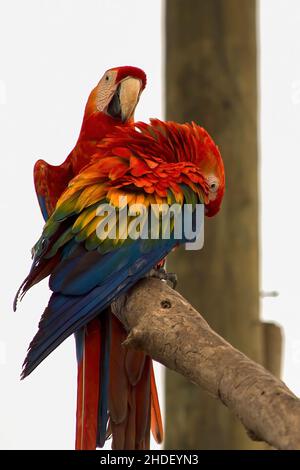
107	78
213	184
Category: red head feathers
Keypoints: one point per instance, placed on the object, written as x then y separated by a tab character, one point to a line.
160	156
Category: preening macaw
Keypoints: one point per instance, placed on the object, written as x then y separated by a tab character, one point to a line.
111	103
146	164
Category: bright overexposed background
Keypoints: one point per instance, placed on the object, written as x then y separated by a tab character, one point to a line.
280	166
52	53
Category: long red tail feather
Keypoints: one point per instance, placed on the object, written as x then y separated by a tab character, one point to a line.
133	399
88	388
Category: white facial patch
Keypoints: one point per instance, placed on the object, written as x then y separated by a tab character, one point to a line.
106	89
213	184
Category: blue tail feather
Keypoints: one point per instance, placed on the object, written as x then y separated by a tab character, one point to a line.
105	320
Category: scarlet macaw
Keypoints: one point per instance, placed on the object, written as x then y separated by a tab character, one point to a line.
150	164
111	103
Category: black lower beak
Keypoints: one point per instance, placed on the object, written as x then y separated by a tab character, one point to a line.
114	107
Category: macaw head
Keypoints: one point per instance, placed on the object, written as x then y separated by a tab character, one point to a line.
171	155
117	94
211	167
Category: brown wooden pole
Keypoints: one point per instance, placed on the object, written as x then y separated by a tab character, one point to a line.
211	78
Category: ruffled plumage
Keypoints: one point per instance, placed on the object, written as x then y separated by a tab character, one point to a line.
157	163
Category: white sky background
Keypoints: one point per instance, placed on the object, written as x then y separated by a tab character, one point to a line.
52	54
280	167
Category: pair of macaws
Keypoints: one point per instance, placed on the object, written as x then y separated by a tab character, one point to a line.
114	160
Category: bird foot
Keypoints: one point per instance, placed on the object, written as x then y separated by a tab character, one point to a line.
163	275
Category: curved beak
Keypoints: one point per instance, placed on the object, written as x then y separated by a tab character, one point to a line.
124	99
129	93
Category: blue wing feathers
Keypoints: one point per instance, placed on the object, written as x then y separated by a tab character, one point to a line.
65	314
42	204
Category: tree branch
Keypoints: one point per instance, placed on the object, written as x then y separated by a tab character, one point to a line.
164	325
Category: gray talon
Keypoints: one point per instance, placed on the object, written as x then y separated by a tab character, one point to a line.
163	275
